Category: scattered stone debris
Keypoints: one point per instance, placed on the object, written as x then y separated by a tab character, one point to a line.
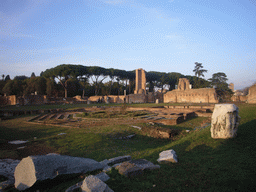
33	168
135	167
17	142
187	131
151	123
102	176
136	127
21	147
168	156
93	183
62	133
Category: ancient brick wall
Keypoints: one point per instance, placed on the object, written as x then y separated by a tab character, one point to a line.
140	82
252	94
137	98
183	84
203	95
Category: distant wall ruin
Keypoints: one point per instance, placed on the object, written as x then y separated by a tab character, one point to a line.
184	94
251	98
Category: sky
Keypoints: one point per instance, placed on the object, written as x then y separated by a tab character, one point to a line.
156	35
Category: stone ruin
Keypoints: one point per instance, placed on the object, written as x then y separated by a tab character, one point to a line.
140	86
38	168
251	97
140	94
184	94
225	121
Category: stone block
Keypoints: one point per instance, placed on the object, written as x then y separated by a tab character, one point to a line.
119	159
34	168
135	167
225	121
168	156
94	184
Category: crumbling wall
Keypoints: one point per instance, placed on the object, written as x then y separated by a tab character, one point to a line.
252	94
114	99
96	99
140	82
137	98
183	84
239	98
203	95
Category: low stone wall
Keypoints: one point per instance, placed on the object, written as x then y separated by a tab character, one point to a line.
137	98
204	95
239	98
114	99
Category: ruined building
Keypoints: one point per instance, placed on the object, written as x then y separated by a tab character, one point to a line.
140	86
251	97
185	94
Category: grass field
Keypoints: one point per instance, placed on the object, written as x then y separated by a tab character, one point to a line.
205	164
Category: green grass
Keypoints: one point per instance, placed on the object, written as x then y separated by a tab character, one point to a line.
205	164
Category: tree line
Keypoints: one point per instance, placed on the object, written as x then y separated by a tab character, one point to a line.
69	80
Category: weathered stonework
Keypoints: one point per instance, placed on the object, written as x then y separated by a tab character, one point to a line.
184	84
184	94
251	98
203	95
140	86
137	98
225	121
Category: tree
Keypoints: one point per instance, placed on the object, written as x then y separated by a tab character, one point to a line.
20	77
33	75
63	73
7	78
96	72
219	82
14	87
199	72
3	77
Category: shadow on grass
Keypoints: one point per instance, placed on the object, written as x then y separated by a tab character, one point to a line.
228	167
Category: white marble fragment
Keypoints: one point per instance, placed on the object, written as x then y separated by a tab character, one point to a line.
168	156
225	121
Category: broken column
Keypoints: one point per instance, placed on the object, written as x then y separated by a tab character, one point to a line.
225	121
34	168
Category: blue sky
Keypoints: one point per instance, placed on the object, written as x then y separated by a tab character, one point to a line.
164	36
